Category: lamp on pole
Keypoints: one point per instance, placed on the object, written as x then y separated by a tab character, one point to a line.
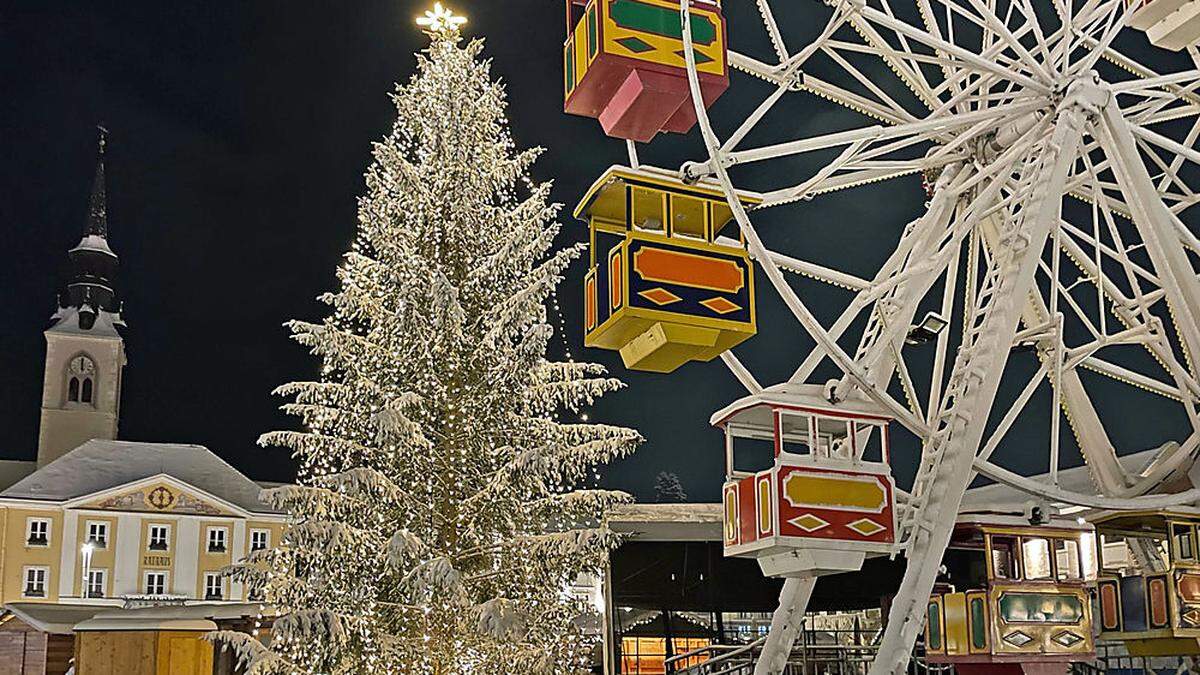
86	550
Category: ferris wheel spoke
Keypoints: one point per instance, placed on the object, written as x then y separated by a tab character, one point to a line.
739	371
1170	176
805	268
964	56
922	130
1118	14
909	73
1077	235
1057	288
853	101
754	244
867	83
1031	19
1127	376
1014	411
993	26
949	75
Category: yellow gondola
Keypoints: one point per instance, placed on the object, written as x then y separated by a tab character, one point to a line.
660	289
1155	612
1015	599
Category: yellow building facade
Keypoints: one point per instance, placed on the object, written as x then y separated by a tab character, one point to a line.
119	523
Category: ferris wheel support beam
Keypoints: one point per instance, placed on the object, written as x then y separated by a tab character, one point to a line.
948	466
1156	224
880	347
786	622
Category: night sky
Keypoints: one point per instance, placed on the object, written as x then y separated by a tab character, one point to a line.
239	133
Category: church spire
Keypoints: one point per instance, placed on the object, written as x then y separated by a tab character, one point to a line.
97	219
90	298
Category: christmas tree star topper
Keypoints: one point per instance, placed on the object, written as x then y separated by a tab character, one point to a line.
440	20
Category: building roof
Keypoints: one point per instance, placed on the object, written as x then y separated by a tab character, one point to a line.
99	465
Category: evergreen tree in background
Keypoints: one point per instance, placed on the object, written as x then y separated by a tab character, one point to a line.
668	488
439	519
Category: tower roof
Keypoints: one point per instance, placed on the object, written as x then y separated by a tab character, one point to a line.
90	298
97	217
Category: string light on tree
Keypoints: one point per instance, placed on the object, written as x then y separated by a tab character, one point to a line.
442	503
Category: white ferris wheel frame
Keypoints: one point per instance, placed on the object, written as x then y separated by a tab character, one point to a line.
1014	218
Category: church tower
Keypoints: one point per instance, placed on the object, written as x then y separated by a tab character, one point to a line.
85	355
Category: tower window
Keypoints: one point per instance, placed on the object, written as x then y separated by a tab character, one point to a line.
81	380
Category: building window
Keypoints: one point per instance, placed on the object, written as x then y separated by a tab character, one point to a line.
216	539
97	533
95	583
35	582
160	535
156	583
259	540
214	586
37	531
81	380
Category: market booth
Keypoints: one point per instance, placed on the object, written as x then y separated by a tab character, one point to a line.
154	641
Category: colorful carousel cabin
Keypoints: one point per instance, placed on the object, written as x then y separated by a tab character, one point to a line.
1149	585
1170	24
808	488
660	288
624	64
1012	597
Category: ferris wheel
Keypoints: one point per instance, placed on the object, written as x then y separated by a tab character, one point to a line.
1021	111
1057	170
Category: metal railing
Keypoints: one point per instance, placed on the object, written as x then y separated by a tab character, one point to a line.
815	653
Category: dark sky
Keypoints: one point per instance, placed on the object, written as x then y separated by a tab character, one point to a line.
239	134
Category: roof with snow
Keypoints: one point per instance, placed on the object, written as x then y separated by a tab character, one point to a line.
68	320
99	465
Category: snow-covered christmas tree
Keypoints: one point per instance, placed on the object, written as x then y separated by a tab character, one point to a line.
440	516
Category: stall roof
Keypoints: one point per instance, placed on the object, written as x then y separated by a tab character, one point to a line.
668	522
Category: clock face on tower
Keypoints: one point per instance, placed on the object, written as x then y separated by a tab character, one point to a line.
82	365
